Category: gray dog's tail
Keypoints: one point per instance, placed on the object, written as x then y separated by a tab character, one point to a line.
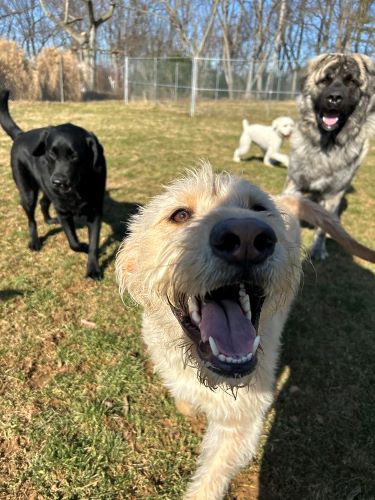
6	121
314	214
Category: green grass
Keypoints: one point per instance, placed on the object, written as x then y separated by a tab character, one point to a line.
81	413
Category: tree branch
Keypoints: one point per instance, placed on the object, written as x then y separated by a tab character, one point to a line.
81	38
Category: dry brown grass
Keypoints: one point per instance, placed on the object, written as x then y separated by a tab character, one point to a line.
16	73
49	64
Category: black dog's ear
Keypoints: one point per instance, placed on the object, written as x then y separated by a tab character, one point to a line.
98	153
39	147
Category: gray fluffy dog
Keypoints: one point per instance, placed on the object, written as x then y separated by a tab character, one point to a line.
337	119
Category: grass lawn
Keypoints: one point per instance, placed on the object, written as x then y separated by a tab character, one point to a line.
81	413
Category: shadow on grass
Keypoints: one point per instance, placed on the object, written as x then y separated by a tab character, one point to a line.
9	294
116	214
253	158
322	441
275	163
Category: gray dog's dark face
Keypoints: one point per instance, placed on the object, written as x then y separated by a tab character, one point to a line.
338	94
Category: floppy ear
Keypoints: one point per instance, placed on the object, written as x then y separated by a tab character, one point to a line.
275	124
39	147
98	153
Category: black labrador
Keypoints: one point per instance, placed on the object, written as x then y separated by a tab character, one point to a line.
67	164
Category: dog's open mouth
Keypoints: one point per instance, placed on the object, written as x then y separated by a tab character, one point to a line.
62	189
329	120
224	326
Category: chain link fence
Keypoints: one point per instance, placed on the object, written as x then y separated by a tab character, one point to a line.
61	76
191	79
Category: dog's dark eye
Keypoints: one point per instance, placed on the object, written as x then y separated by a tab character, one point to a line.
181	215
258	208
326	80
349	79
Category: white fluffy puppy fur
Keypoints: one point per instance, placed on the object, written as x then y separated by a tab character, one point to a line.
215	263
268	138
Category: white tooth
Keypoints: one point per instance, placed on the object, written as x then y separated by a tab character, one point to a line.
222	357
256	344
245	302
195	316
242	285
249	356
214	349
193	304
229	359
248	315
243	359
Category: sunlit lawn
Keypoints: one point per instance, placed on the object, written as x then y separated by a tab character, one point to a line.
81	413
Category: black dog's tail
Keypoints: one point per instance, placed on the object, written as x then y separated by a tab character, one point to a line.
6	121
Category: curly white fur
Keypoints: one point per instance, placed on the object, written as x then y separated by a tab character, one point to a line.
268	138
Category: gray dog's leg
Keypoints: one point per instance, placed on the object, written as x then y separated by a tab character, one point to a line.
318	249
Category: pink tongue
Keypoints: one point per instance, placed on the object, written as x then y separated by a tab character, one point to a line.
233	333
330	120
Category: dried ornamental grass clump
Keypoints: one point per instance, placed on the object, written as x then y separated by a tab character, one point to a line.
56	69
16	72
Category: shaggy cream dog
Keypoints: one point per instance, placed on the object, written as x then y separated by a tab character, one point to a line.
215	263
268	138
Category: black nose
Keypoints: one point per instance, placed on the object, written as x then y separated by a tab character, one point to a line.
334	98
240	241
59	181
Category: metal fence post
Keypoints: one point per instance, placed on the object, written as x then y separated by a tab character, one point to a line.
194	81
176	81
155	78
61	78
217	82
278	84
126	79
294	83
249	81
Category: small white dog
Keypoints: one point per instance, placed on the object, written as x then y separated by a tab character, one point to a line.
269	138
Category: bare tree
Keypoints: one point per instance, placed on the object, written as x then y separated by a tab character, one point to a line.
24	22
231	14
263	29
279	38
192	27
86	38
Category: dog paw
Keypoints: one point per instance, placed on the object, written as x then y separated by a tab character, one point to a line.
318	254
35	245
80	247
94	274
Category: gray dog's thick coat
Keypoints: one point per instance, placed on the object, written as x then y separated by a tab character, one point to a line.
323	162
